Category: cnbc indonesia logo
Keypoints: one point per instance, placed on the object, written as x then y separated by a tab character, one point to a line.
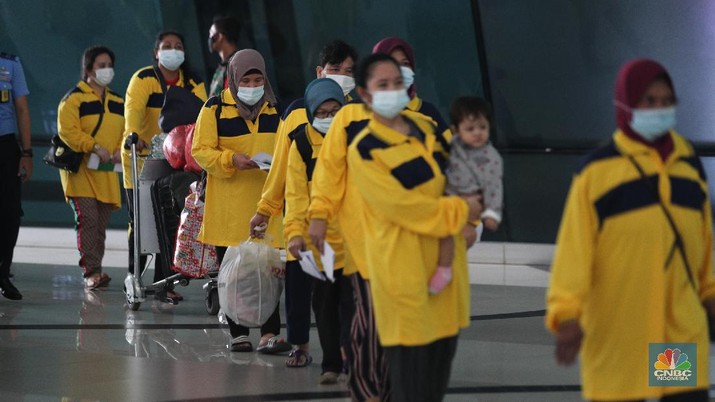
672	365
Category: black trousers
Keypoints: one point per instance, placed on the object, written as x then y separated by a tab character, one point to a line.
420	373
332	305
272	326
10	207
159	268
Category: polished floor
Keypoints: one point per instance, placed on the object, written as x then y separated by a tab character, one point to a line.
64	343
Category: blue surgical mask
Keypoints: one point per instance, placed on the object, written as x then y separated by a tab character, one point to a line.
652	124
171	59
250	95
322	125
408	76
389	103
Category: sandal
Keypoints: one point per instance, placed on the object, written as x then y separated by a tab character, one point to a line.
96	281
241	344
174	295
274	345
104	280
299	358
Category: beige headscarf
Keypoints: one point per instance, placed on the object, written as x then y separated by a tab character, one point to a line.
242	62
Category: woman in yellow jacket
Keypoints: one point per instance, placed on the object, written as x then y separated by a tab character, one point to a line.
229	131
331	300
637	235
144	99
337	60
90	119
401	183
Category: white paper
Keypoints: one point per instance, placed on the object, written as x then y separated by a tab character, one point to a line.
263	160
309	266
93	163
328	260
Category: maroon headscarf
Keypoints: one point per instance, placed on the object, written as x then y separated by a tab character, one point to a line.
633	80
388	45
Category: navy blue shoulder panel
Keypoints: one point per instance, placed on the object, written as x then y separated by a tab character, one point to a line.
430	110
70	92
605	152
214	100
368	143
146	72
268	123
296	104
356	101
694	161
413	173
354	128
296	131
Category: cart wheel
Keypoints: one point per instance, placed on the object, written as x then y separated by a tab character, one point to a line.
134	306
212	304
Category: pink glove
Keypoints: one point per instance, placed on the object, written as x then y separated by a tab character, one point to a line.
441	278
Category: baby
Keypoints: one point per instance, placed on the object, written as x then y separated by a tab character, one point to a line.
474	167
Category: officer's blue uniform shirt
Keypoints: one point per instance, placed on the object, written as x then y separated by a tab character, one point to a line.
12	85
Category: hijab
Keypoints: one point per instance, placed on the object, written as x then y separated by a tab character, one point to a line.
632	82
388	45
241	63
318	92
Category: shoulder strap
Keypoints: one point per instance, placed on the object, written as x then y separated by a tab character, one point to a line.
678	242
306	151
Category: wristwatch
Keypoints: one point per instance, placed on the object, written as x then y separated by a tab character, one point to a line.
27	152
97	147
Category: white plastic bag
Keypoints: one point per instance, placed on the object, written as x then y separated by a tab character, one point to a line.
250	282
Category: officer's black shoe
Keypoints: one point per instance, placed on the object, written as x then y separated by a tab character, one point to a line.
9	290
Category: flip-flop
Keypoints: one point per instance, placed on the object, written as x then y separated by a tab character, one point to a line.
273	346
95	282
241	344
298	358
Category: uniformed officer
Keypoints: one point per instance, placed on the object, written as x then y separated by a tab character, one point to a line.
15	163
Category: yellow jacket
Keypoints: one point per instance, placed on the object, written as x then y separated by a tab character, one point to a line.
333	195
231	193
401	184
143	106
271	202
610	269
297	195
77	116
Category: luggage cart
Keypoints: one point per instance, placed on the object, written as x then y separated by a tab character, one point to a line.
145	236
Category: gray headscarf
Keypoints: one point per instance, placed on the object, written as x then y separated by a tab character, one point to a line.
242	62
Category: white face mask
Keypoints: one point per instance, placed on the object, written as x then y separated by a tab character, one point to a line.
250	95
345	82
171	59
652	124
322	125
103	76
389	103
408	76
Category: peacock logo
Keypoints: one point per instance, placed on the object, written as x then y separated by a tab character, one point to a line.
672	359
673	364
